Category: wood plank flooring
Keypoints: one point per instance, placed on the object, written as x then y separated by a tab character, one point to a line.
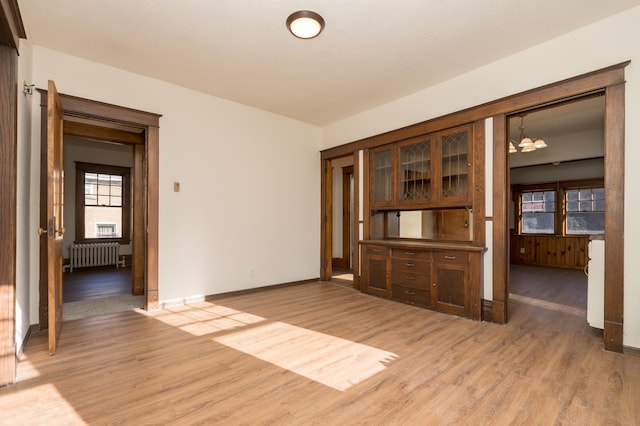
323	354
95	283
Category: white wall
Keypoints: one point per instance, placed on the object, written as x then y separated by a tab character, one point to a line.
26	236
247	214
608	42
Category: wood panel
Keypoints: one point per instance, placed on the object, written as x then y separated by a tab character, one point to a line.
500	223
614	227
361	360
549	250
8	176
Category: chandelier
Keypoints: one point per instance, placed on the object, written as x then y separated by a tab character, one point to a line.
526	144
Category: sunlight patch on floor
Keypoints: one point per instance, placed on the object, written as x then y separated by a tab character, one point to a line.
12	406
206	318
326	359
333	361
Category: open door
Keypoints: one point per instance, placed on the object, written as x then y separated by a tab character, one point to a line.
55	230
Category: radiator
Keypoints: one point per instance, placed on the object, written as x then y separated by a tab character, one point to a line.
93	254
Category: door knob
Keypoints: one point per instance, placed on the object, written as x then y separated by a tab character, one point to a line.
61	231
41	231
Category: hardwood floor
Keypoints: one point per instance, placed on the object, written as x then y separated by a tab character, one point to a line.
323	354
567	287
95	283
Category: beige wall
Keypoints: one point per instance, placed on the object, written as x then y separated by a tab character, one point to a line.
247	214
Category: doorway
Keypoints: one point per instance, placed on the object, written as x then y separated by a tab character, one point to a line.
84	118
97	279
342	224
557	203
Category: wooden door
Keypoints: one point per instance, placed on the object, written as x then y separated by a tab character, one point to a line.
54	209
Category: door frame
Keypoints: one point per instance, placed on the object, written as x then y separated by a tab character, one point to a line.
146	174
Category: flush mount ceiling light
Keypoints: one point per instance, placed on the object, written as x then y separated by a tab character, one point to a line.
305	24
526	144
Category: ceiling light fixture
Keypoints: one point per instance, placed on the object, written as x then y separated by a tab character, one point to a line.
526	144
305	24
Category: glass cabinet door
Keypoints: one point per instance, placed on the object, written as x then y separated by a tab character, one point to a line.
415	171
382	168
455	165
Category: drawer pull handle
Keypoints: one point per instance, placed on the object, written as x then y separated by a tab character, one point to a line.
409	253
409	277
410	293
376	250
450	257
410	265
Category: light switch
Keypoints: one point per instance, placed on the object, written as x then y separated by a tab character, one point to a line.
176	186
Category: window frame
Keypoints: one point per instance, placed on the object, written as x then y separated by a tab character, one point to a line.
125	172
560	213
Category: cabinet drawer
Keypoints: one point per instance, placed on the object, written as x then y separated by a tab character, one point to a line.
375	250
410	279
451	257
410	265
407	253
414	296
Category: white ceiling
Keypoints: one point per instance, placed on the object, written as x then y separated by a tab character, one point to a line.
371	51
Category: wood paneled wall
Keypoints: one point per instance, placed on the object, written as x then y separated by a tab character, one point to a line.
550	250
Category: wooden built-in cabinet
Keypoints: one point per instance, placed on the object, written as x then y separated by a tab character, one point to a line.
423	245
429	171
444	278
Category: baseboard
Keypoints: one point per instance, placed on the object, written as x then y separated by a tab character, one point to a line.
492	311
259	289
200	298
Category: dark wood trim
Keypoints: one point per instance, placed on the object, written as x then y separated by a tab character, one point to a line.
500	221
614	217
535	98
478	182
97	114
356	219
100	133
11	26
96	111
151	200
347	174
8	199
137	241
326	221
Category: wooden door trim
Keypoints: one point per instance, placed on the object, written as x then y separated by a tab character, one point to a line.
347	172
8	197
103	114
11	30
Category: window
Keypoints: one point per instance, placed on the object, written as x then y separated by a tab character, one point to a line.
538	212
561	208
102	204
585	211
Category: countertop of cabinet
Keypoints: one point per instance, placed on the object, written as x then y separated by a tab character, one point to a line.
426	245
